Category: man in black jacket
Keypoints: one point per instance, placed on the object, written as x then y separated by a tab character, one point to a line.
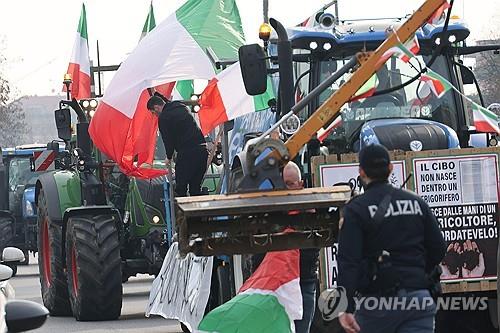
180	133
387	255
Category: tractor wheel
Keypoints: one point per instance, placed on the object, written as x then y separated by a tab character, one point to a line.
6	232
50	262
94	267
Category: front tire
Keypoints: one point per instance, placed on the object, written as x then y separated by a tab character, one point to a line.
52	277
94	267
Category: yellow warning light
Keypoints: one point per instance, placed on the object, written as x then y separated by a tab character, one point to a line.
455	17
265	32
67	78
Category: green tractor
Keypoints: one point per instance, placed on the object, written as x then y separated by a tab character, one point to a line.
96	226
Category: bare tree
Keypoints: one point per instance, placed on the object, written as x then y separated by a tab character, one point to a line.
487	69
13	127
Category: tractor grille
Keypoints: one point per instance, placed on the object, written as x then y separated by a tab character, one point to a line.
152	192
399	136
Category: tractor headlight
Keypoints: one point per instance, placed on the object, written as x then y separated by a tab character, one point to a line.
29	208
156	219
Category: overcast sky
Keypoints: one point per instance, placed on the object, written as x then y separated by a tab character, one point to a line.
38	35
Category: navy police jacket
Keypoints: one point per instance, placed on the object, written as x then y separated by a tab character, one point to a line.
409	232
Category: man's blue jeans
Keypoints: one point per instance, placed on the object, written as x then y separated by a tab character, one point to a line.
308	290
414	313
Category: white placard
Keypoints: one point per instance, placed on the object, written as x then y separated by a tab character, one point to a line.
181	289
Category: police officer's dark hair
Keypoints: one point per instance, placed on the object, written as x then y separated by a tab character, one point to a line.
378	173
155	100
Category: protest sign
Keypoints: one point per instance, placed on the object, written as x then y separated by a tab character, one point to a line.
462	192
181	289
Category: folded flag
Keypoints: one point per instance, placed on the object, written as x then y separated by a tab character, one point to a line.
438	84
175	50
79	64
225	98
268	302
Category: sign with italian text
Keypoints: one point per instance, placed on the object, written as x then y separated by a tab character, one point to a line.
463	193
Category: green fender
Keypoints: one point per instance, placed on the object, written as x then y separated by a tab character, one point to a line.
62	191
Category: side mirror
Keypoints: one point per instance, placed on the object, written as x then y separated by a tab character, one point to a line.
63	123
12	254
253	68
467	75
5	273
23	316
54	146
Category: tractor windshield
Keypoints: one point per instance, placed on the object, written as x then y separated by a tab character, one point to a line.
413	101
20	173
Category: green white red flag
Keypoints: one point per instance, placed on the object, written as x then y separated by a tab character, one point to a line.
438	84
366	89
182	90
150	23
268	302
225	98
404	51
485	120
79	64
439	14
175	50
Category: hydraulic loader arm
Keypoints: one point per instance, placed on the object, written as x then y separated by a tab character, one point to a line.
368	65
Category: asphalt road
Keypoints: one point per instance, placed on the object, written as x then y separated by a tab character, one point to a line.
135	296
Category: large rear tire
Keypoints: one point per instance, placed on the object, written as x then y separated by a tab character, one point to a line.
94	267
50	262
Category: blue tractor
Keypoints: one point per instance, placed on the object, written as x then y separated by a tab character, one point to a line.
18	224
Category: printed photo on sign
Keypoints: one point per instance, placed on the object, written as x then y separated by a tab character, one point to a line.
462	192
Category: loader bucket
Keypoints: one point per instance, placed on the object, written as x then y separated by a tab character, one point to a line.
256	222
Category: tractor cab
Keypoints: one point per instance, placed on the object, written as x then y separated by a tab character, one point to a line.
409	118
19	192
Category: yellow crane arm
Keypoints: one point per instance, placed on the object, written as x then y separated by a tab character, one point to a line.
368	66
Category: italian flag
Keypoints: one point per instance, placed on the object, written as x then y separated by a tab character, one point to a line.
322	134
438	15
404	51
122	127
225	98
79	64
181	90
268	302
366	89
438	84
485	120
150	23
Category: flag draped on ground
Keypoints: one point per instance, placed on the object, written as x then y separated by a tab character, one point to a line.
268	302
175	50
79	64
225	98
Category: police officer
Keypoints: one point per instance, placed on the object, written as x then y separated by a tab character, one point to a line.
388	254
180	132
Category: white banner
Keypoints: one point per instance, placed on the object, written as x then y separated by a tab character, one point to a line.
182	288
